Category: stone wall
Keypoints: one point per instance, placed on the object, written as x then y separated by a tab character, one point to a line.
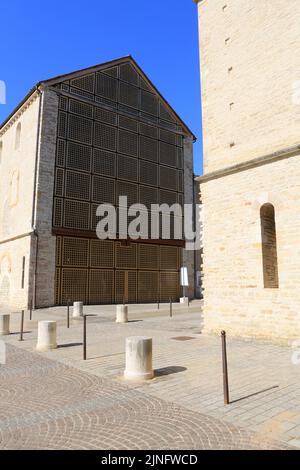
234	295
45	286
250	65
16	203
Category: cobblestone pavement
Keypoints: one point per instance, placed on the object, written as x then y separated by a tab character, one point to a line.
47	405
182	407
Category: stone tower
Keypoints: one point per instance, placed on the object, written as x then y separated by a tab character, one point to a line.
250	190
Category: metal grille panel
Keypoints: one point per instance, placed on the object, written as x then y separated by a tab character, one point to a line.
74	285
132	286
127	168
58	212
80	129
128	124
148	288
62	124
60	152
112	71
86	83
78	185
58	251
83	109
128	143
168	154
149	103
168	258
167	197
168	178
63	103
106	86
104	163
148	196
148	149
105	136
129	95
105	116
102	254
169	286
126	256
129	74
101	286
103	190
79	157
127	189
148	173
77	215
168	137
148	257
164	113
75	252
149	131
59	182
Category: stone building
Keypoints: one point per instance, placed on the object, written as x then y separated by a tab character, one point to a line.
74	142
250	65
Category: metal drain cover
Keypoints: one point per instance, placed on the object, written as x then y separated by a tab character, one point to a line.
183	338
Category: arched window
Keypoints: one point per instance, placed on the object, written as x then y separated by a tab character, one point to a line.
1	150
269	246
18	136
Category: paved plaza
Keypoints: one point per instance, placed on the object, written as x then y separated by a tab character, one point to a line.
56	400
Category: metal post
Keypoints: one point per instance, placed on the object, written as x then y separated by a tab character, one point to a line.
125	294
84	337
30	310
68	314
171	309
22	326
158	305
225	369
188	301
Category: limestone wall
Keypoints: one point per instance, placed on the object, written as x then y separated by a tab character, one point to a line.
234	295
250	76
45	288
16	203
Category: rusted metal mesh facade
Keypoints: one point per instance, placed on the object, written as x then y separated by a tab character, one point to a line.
115	137
94	271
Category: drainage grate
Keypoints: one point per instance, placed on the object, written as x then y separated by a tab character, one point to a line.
183	338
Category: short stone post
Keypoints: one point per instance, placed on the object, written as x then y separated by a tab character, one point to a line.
122	314
77	310
4	324
46	336
138	358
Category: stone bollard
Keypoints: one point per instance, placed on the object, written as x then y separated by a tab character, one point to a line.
77	310
4	325
122	314
46	336
138	358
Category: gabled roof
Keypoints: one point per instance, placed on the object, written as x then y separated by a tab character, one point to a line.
100	67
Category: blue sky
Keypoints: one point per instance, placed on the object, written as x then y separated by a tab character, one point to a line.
40	40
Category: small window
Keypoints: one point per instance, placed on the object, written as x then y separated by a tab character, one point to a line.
269	246
18	136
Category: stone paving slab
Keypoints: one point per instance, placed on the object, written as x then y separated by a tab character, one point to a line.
47	405
264	384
